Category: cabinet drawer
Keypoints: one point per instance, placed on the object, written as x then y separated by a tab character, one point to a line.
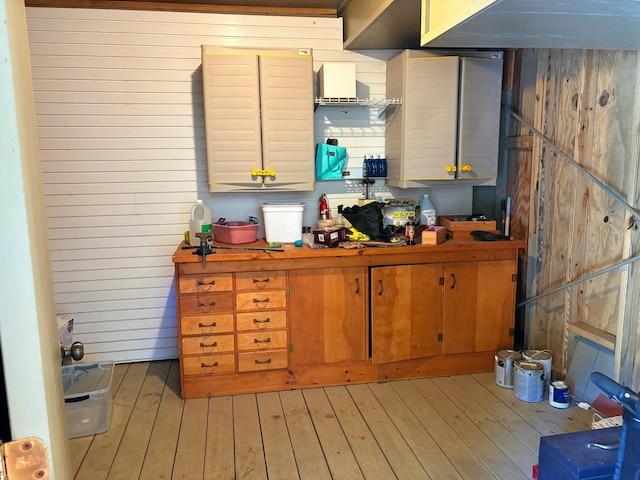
270	360
208	364
262	320
206	324
206	303
219	282
246	281
246	301
262	340
207	344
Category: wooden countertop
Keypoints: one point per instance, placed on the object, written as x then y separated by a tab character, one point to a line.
466	249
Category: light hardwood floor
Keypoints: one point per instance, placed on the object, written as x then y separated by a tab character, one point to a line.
438	428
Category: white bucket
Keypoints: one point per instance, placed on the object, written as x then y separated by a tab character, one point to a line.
282	221
559	395
503	365
528	381
544	357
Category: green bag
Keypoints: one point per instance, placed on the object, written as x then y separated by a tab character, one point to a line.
330	160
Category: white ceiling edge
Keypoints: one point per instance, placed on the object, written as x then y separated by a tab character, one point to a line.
585	24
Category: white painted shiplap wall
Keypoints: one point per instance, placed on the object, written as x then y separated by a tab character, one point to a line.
121	131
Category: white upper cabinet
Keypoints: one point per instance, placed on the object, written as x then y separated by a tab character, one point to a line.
258	108
447	126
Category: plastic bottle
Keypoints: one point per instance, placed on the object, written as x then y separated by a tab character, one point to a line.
200	216
339	218
365	166
427	211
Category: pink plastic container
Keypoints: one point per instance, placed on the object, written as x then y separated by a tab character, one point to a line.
235	232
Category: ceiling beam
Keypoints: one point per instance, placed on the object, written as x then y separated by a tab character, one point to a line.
178	6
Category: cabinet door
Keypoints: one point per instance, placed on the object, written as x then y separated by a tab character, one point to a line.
406	312
232	117
480	96
327	313
286	89
479	306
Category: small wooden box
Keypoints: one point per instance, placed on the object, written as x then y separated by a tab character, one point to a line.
434	235
461	229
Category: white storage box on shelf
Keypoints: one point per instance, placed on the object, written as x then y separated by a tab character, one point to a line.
87	397
65	329
282	221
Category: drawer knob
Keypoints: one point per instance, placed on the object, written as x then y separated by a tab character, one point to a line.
258	362
202	325
204	345
205	365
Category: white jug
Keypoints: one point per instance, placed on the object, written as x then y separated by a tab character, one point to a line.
200	215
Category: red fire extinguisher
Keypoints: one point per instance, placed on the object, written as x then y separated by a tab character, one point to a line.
324	208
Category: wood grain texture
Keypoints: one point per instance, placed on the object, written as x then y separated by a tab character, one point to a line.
449	428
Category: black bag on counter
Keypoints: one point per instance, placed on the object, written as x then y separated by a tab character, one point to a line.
368	219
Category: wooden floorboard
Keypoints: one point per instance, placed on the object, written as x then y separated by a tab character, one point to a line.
460	427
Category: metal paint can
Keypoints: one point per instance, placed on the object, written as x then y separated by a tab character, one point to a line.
544	357
559	395
503	366
528	381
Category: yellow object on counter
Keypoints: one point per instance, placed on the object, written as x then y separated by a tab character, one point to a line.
357	236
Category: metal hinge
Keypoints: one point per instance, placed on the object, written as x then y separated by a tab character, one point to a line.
514	277
290	347
289	289
441	281
512	332
24	459
440	335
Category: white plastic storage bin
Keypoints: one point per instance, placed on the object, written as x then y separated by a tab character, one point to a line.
87	397
282	221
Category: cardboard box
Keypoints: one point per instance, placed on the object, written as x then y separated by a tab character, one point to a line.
337	80
461	229
65	329
434	235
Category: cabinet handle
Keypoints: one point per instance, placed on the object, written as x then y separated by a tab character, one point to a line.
204	345
465	168
266	320
212	304
450	168
453	284
205	365
266	280
357	286
381	289
256	300
266	340
258	362
202	325
211	283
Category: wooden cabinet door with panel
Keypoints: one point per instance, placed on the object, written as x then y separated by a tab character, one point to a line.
479	306
328	315
406	312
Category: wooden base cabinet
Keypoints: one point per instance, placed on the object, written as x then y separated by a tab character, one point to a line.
252	322
444	308
328	315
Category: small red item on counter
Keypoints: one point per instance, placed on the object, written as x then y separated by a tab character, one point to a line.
324	208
